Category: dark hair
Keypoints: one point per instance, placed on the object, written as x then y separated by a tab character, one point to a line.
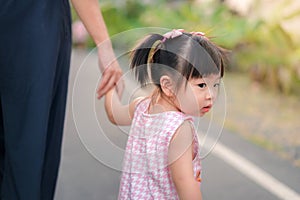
190	55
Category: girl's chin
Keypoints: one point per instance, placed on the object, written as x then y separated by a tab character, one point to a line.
200	114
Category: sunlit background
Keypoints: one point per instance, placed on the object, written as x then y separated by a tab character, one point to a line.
262	84
263	78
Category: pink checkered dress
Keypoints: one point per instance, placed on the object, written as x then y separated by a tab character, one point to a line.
146	175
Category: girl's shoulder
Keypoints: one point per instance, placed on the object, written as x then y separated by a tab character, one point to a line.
141	103
138	104
167	118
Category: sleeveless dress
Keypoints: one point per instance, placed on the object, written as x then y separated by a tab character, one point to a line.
146	175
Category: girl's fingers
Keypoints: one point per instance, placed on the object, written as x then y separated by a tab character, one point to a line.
198	177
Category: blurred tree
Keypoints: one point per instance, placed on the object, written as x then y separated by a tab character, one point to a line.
259	42
269	51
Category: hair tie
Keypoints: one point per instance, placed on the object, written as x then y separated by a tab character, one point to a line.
198	33
172	34
153	50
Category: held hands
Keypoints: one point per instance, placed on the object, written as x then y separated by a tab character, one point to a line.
111	74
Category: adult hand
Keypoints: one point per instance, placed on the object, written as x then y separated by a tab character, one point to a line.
111	73
92	18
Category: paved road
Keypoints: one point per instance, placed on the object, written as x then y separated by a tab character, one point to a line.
92	153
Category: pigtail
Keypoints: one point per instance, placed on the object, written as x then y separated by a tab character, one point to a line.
141	57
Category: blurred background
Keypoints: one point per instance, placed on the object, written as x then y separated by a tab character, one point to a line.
263	78
257	156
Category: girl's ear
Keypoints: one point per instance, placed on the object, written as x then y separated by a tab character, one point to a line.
167	86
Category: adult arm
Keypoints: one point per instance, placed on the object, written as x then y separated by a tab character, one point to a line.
91	16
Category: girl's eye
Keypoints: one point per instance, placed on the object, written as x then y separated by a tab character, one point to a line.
217	85
202	85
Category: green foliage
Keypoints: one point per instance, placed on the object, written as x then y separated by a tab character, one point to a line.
260	46
118	20
268	51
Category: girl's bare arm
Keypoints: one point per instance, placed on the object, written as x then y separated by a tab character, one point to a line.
118	113
181	158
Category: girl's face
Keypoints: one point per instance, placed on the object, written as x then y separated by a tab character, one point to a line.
199	95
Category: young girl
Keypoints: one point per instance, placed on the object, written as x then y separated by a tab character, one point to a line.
162	158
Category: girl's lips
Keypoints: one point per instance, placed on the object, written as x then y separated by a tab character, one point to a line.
206	108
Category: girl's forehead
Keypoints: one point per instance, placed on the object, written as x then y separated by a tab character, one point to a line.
208	78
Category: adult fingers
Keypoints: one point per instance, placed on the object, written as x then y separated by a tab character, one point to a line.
107	86
120	87
104	80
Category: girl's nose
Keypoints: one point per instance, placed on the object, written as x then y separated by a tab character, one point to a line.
210	94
